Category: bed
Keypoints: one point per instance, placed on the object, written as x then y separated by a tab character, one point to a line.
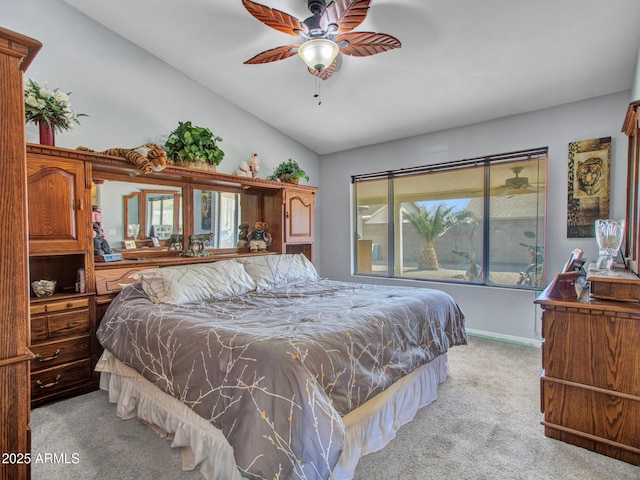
257	368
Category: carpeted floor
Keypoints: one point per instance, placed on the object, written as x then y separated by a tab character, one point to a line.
484	425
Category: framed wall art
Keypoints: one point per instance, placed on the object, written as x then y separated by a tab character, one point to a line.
588	185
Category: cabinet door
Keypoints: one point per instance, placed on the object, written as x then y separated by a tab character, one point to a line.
299	216
57	210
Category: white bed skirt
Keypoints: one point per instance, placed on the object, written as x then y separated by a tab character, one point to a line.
368	428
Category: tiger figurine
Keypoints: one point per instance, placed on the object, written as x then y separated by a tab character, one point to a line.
147	158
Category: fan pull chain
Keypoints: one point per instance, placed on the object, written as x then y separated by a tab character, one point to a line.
317	94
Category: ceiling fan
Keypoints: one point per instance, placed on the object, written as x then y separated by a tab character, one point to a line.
326	33
515	185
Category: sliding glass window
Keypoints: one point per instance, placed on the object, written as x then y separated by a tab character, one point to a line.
477	221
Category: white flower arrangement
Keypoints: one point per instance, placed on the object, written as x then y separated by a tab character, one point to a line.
51	107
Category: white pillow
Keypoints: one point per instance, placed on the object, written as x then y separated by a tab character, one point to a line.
270	271
195	283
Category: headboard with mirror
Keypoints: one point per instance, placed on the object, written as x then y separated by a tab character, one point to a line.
187	202
139	212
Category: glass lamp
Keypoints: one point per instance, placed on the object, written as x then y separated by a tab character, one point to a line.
609	235
318	53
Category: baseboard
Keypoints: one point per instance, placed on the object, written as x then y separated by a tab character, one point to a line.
528	342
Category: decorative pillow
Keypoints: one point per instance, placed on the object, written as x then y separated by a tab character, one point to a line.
270	271
195	283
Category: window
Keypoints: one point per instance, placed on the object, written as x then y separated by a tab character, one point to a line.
478	221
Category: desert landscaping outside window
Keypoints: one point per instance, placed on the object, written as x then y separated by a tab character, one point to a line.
477	221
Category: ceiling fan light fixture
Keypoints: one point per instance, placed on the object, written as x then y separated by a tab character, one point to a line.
517	181
318	53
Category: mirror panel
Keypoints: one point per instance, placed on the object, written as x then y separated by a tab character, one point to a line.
221	213
127	204
132	215
158	211
163	213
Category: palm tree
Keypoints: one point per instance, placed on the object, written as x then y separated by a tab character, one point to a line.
431	224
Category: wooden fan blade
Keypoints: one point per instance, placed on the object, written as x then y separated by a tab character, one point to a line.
279	53
362	44
344	14
325	73
283	22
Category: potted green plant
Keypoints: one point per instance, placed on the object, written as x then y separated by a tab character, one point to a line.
197	146
288	172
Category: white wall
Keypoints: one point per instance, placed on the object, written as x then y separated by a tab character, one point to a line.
502	310
132	97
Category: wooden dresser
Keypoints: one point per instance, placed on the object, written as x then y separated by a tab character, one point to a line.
590	385
16	53
61	340
63	325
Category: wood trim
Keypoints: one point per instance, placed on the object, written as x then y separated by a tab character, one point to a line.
583	386
594	438
106	164
590	305
629	123
20	46
27	357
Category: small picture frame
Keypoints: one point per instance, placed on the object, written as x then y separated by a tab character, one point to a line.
155	242
573	261
162	232
128	244
564	286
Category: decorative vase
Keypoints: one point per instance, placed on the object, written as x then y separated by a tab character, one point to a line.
609	235
47	134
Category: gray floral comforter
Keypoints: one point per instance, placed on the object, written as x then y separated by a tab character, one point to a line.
277	370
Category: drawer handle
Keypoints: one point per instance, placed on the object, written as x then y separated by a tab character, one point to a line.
71	323
48	385
55	355
69	304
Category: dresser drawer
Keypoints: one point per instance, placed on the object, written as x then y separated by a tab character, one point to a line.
67	305
68	323
38	329
44	382
110	281
594	348
56	353
39	307
592	412
56	325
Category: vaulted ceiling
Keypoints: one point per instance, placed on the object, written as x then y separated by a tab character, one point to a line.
461	61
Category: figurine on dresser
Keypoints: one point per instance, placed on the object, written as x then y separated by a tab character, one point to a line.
100	243
243	235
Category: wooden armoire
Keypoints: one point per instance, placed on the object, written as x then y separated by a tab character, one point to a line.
16	53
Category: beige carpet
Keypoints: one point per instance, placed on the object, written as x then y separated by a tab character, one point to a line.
484	425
